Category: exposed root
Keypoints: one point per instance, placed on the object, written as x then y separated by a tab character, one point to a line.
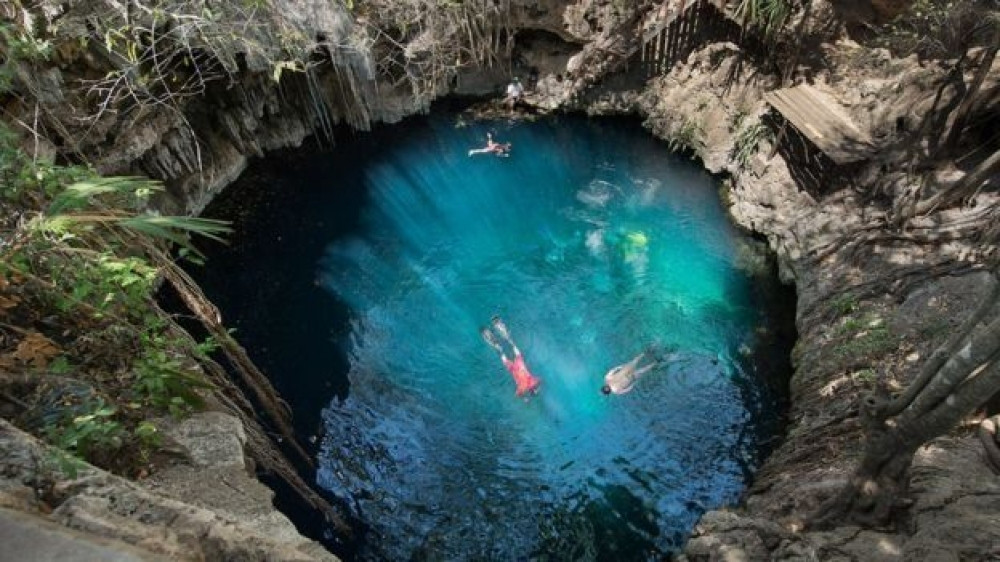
276	409
260	446
988	437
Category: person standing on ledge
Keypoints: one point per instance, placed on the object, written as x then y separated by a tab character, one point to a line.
515	92
526	382
622	378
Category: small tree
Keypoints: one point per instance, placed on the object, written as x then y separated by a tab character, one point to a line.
960	376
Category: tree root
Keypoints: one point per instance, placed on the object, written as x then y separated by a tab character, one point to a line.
988	437
260	447
895	282
276	409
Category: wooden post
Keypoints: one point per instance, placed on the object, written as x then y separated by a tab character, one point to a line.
778	139
662	40
690	20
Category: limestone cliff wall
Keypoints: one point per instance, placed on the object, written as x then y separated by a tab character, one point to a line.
199	142
204	505
828	241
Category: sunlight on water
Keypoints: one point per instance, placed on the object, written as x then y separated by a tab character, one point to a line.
593	243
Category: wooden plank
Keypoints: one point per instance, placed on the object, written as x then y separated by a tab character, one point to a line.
822	121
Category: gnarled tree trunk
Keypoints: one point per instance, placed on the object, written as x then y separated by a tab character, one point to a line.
963	112
959	377
966	187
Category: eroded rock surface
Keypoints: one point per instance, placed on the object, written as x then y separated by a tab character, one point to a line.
913	291
205	507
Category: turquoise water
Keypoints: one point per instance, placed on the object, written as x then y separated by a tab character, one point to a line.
593	243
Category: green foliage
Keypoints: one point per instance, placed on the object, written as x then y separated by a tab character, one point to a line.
84	193
870	343
95	431
866	376
23	45
19	45
687	137
844	304
125	192
748	141
80	254
81	266
863	337
161	380
148	434
26	183
209	346
768	16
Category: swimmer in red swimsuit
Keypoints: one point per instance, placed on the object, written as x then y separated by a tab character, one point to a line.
525	381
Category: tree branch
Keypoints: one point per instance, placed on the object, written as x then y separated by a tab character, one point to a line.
939	357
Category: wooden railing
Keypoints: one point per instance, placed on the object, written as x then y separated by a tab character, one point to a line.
677	27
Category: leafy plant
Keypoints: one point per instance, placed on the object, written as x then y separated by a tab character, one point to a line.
687	137
866	376
748	141
85	434
865	337
72	208
162	381
766	15
78	274
80	255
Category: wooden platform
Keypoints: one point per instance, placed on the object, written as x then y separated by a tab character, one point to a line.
822	121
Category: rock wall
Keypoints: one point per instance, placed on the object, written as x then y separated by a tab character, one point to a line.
205	505
197	144
848	343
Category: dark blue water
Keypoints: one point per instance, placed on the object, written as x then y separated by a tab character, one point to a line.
365	278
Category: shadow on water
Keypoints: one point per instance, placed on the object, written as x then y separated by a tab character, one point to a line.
358	280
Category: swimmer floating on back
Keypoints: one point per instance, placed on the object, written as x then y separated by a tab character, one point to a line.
525	381
622	378
500	149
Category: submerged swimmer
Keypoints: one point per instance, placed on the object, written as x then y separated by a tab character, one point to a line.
500	149
622	378
526	382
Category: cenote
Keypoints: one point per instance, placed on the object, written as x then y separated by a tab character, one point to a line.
359	276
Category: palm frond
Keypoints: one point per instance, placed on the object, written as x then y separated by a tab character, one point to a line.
155	224
768	15
80	195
